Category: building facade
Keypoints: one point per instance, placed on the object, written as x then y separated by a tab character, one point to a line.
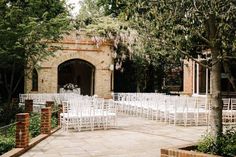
196	79
81	63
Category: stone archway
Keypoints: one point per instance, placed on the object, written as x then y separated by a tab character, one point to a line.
78	73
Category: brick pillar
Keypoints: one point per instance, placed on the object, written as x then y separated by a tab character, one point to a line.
28	106
59	113
50	104
22	130
188	77
46	120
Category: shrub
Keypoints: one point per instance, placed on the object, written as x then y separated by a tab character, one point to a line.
34	127
207	145
54	122
7	141
54	119
8	112
6	144
227	144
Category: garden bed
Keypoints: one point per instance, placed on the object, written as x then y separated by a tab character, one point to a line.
184	151
15	152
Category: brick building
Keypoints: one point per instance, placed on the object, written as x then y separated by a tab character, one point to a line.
196	79
81	62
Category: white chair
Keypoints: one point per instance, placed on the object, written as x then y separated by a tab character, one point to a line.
154	110
226	112
68	117
86	114
202	111
191	110
177	111
163	107
233	111
98	113
110	116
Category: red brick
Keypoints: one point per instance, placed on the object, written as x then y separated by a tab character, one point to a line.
45	120
164	151
22	130
188	77
28	106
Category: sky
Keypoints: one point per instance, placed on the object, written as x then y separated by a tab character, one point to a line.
76	6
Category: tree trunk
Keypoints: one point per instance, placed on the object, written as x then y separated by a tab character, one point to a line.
12	85
216	100
138	87
216	111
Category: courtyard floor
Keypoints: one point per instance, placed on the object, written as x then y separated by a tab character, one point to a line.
134	137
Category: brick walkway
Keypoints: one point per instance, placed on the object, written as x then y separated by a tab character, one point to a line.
135	137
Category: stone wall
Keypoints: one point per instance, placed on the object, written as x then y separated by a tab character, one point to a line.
75	47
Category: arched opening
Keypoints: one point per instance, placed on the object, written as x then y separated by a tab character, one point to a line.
76	73
34	80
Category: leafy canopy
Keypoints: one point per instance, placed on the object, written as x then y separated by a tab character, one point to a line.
26	28
26	25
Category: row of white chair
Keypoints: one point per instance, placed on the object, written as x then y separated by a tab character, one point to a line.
177	110
79	112
40	99
229	111
88	113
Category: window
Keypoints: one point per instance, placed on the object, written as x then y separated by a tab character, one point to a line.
34	80
201	81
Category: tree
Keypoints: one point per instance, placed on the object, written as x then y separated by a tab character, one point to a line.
26	27
130	46
188	28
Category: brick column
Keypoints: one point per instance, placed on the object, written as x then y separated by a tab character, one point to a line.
28	106
59	113
22	130
188	77
164	153
46	120
50	104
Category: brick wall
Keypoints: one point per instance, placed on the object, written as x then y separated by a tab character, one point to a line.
22	130
46	120
75	48
188	77
182	153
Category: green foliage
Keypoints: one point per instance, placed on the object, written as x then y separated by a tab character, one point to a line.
54	122
88	11
8	112
181	27
227	144
54	117
6	144
134	50
206	145
35	123
34	127
185	29
7	138
26	26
